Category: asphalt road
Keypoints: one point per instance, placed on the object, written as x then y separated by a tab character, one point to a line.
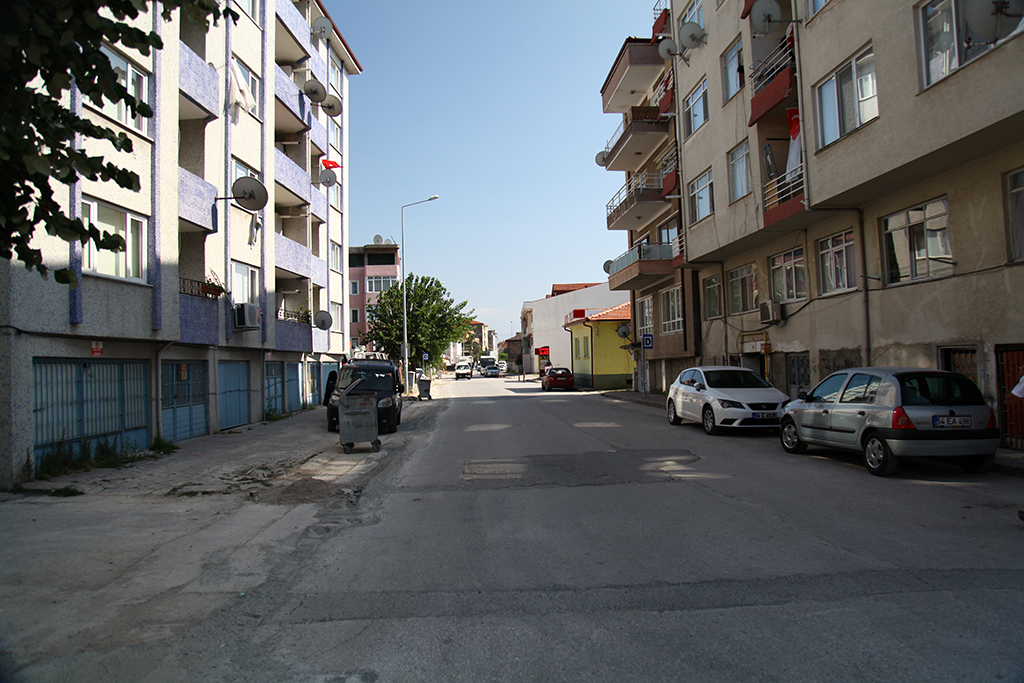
520	535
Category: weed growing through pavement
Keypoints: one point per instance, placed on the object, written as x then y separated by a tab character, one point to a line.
64	458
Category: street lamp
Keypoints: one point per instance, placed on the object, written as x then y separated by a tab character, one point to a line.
405	308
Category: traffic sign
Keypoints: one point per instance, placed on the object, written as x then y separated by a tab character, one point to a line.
648	341
426	356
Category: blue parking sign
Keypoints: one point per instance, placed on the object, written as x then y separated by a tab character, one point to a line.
426	356
648	341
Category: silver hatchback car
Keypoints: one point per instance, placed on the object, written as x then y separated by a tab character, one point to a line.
888	413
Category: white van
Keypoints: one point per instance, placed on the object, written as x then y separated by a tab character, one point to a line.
463	369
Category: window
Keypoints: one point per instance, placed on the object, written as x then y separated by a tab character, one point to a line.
353	287
337	257
337	319
696	109
252	8
242	170
848	99
334	195
861	389
334	129
1015	213
644	317
838	263
702	202
380	283
245	283
135	81
739	172
816	5
948	40
917	242
578	353
336	76
828	390
668	232
732	70
742	292
788	278
128	264
586	347
694	13
354	316
672	310
371	311
253	82
713	297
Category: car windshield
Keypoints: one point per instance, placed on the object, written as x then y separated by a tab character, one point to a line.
373	380
734	379
935	389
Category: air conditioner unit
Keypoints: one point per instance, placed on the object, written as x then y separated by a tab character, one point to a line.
771	312
247	316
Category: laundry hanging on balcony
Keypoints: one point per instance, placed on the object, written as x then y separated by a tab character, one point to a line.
239	94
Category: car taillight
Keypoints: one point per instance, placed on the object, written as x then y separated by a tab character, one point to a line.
900	419
991	420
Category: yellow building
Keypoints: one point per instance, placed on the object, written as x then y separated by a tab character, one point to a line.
598	359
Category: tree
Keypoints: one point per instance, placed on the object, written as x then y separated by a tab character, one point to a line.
435	320
46	48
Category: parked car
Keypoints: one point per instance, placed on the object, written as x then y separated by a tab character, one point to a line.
491	371
724	396
463	370
379	378
503	366
558	378
889	413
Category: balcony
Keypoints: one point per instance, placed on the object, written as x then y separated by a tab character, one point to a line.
637	203
774	82
291	33
291	180
292	257
293	335
641	267
637	68
198	86
293	112
198	315
636	139
784	201
196	205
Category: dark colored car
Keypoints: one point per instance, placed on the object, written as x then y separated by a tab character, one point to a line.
379	378
557	378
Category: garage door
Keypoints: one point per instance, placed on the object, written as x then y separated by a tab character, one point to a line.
184	398
233	378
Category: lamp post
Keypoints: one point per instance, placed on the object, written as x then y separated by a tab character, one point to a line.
405	307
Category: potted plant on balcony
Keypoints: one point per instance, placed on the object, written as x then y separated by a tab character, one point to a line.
212	287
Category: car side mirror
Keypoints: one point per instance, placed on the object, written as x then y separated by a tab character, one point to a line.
802	396
401	388
699	387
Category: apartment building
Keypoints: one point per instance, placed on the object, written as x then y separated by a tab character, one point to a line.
869	207
205	322
373	269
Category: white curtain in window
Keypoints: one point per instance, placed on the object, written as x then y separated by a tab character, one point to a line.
240	94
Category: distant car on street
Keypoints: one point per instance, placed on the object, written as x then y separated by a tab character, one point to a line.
503	366
558	378
720	396
889	413
463	370
491	371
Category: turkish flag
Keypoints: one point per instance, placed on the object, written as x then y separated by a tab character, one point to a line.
330	164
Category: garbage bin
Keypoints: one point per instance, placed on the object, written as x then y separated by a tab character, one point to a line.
423	382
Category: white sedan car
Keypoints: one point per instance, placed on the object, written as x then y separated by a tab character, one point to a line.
723	396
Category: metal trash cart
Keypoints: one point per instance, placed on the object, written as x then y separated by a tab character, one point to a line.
423	383
357	418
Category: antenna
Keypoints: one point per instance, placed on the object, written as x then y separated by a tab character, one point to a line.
322	27
249	192
992	20
331	105
766	16
327	177
323	320
602	158
315	90
377	239
692	35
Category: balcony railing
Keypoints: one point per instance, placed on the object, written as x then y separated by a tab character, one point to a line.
635	114
642	252
294	316
198	288
637	183
783	188
779	60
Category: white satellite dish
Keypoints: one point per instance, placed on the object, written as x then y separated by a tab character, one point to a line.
331	105
607	267
667	49
765	16
602	158
388	241
323	26
692	35
328	177
323	320
377	239
314	90
623	330
992	20
250	193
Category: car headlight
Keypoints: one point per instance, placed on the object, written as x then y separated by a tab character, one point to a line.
725	403
385	403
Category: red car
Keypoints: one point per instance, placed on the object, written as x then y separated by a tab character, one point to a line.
557	378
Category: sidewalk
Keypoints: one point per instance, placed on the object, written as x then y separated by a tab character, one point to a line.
1008	462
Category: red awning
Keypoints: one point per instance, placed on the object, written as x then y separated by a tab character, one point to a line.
747	6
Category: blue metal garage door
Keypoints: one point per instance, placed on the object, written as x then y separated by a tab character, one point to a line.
273	388
313	379
292	387
233	378
183	406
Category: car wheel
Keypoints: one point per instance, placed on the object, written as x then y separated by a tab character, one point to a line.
877	457
673	419
790	438
709	421
977	464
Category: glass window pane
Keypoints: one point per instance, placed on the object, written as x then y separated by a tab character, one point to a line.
940	52
847	100
828	112
867	89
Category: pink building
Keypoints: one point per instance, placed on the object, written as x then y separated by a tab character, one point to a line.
372	269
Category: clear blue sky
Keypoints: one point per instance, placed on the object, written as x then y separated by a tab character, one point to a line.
495	107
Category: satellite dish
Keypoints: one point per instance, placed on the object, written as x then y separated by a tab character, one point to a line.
992	20
249	193
323	26
602	157
314	90
323	320
328	177
388	241
377	239
623	330
331	105
691	35
667	49
765	16
607	267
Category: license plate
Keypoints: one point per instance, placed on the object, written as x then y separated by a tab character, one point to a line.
765	416
951	421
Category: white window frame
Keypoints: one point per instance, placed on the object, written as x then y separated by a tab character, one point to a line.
732	70
829	97
337	257
337	318
950	48
353	287
921	235
694	12
742	282
253	81
1015	213
252	9
136	81
379	284
672	310
129	264
644	316
815	6
712	297
695	110
701	194
335	76
739	171
837	261
578	354
245	283
586	347
334	195
334	130
788	275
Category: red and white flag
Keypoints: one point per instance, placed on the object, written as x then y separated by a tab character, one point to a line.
330	164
